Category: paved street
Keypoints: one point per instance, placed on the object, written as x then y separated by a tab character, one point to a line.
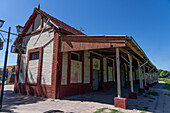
86	103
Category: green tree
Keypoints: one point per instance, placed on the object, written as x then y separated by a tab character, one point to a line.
164	73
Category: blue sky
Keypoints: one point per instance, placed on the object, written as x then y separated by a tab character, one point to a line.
148	21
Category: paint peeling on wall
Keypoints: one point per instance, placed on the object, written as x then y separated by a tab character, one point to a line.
76	71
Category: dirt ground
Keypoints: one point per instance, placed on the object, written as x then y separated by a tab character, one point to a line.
87	103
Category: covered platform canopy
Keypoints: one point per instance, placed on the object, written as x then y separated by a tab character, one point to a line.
113	46
105	45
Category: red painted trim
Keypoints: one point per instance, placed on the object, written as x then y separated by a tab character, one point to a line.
41	22
54	77
40	50
33	32
61	64
40	66
40	90
33	25
17	71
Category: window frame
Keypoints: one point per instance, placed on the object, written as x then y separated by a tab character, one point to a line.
31	51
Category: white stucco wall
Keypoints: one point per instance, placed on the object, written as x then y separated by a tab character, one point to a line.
32	71
45	41
64	68
76	72
86	67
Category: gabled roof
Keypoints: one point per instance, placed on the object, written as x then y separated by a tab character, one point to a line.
57	22
60	23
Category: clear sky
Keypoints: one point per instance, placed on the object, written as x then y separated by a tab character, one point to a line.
148	21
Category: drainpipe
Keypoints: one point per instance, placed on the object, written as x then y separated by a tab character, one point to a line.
59	76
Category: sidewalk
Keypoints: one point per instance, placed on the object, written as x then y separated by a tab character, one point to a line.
86	103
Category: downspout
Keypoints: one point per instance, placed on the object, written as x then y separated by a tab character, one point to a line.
59	76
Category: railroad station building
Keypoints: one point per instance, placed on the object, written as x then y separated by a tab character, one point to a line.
61	61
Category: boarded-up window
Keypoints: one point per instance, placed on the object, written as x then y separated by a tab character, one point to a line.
76	71
32	71
96	64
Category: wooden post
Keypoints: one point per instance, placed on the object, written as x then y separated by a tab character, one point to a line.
118	73
131	77
149	75
144	74
139	70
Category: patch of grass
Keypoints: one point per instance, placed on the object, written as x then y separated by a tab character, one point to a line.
152	93
152	98
145	95
167	86
145	108
10	84
167	81
167	94
139	94
136	105
103	110
161	79
150	101
143	111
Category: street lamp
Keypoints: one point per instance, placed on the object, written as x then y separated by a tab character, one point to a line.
5	61
1	23
19	29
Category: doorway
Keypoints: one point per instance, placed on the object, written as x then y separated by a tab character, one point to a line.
96	74
122	72
95	80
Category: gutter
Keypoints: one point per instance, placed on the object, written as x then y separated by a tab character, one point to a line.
135	43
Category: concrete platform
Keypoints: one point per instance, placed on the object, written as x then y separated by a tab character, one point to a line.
87	103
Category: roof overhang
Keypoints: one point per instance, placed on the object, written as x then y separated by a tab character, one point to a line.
104	45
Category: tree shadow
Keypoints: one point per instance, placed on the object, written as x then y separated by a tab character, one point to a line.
12	99
107	97
54	111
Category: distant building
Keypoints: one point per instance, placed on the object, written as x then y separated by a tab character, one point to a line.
10	73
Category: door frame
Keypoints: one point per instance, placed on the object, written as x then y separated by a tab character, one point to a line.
92	55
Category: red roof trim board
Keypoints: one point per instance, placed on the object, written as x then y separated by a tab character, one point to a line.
59	23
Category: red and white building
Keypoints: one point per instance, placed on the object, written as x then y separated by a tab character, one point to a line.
62	61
